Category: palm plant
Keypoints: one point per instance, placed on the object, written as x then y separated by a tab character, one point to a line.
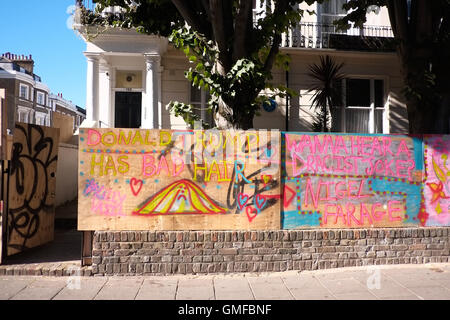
326	90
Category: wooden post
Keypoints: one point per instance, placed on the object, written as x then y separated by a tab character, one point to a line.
3	145
3	125
86	248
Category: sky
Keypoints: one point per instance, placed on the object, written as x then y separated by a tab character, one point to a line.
39	28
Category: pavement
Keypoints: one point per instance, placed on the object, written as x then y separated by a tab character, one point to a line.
392	282
31	276
53	258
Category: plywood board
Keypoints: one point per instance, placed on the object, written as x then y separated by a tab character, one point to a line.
3	126
2	216
32	184
351	180
65	125
131	179
436	187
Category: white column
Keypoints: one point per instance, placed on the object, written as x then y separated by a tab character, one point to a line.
160	106
105	97
150	113
92	84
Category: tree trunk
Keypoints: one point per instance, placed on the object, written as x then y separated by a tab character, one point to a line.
231	117
431	119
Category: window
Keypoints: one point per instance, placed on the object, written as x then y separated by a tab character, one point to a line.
23	114
199	99
40	98
363	111
23	91
331	10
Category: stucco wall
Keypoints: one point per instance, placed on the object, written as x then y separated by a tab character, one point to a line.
356	64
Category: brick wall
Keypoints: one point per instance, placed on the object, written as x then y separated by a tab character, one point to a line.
201	252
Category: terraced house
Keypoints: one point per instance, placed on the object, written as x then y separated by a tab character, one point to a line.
27	97
132	77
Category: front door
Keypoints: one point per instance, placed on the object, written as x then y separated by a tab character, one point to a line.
128	110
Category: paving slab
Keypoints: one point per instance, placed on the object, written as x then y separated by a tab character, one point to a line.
158	289
431	292
42	289
410	297
269	288
195	289
81	288
120	288
381	285
356	296
337	275
306	287
343	286
233	289
412	276
10	286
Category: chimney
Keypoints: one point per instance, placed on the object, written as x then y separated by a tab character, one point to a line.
24	62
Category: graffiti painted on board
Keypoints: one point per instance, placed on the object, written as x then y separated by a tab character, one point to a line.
174	179
350	181
436	188
32	183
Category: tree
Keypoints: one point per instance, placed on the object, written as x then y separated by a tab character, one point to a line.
233	54
422	32
326	89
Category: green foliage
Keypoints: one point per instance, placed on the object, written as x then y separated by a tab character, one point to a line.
321	117
157	17
186	111
326	89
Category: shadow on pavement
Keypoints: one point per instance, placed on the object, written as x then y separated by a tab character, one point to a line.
66	245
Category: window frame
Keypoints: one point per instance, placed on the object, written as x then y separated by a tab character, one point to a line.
27	95
372	107
40	94
23	114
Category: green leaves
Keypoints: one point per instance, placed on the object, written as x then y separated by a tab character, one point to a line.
325	88
186	111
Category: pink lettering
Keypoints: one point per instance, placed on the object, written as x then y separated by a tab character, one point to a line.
148	161
94	137
403	148
392	210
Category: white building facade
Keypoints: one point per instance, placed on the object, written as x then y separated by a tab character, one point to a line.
131	77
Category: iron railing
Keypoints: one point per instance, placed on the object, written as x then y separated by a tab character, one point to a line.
313	35
318	36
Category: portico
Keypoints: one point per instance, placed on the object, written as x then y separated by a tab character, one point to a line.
124	82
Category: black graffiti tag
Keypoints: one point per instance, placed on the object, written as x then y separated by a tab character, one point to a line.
30	171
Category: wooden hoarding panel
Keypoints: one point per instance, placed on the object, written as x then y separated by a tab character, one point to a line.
32	182
132	179
436	187
3	126
352	180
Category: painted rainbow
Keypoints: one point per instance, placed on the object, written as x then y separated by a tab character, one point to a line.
181	197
